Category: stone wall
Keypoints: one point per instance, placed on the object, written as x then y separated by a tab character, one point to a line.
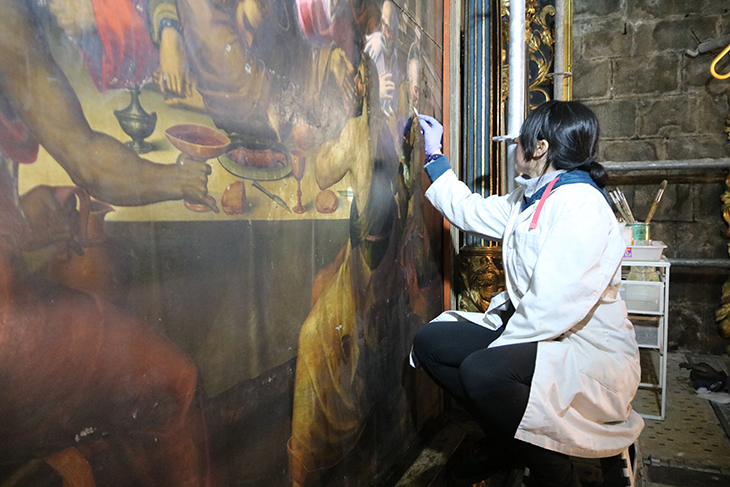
656	103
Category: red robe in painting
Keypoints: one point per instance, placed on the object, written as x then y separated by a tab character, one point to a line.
105	398
16	140
127	55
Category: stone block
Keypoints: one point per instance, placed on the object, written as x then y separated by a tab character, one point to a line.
591	79
644	75
707	288
718	87
698	147
672	34
707	205
709	113
595	8
628	150
577	43
656	9
617	117
696	72
692	324
708	237
666	115
691	240
676	204
606	38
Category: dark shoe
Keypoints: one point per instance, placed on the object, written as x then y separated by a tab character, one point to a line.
486	459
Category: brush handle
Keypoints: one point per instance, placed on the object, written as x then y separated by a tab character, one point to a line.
625	203
655	203
617	203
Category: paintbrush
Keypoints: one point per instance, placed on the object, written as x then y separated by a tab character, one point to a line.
655	203
617	205
625	204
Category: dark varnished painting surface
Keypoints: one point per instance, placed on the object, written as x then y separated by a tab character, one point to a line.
168	320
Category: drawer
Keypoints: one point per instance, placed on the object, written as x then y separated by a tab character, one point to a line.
648	330
643	296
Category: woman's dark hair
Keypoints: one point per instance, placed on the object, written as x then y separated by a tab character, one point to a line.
571	129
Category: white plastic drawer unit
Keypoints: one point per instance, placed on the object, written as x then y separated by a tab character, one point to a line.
648	330
643	296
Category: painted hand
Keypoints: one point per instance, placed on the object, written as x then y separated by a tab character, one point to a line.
174	71
432	133
387	87
193	180
50	221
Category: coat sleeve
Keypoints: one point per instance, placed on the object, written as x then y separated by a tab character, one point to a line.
469	212
578	259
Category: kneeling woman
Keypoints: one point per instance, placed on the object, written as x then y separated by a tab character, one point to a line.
552	366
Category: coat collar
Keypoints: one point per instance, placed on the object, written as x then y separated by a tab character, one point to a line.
570	177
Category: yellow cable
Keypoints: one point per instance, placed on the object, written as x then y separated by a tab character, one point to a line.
712	66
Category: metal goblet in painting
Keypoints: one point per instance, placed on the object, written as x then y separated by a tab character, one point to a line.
136	123
298	160
199	143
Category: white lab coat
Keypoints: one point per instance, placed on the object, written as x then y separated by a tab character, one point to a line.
562	278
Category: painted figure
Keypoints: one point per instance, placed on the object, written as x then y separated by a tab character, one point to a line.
110	396
117	40
256	72
366	302
177	83
409	95
112	37
39	97
330	406
381	47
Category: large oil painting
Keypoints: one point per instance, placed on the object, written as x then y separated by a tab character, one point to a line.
215	246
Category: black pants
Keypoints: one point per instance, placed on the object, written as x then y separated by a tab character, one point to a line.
493	385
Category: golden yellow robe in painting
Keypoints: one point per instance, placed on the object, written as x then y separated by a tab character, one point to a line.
338	354
351	336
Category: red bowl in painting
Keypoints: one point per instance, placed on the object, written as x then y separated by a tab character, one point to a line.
198	141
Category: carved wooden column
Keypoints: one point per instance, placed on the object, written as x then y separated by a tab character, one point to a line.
485	88
722	315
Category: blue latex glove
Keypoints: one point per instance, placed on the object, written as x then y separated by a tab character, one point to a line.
432	132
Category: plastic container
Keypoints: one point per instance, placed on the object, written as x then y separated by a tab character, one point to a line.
643	273
643	296
647	329
627	233
640	233
650	252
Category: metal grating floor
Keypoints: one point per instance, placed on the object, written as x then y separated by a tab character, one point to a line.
691	435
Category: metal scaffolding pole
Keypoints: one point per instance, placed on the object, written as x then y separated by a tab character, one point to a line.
563	41
683	165
517	60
